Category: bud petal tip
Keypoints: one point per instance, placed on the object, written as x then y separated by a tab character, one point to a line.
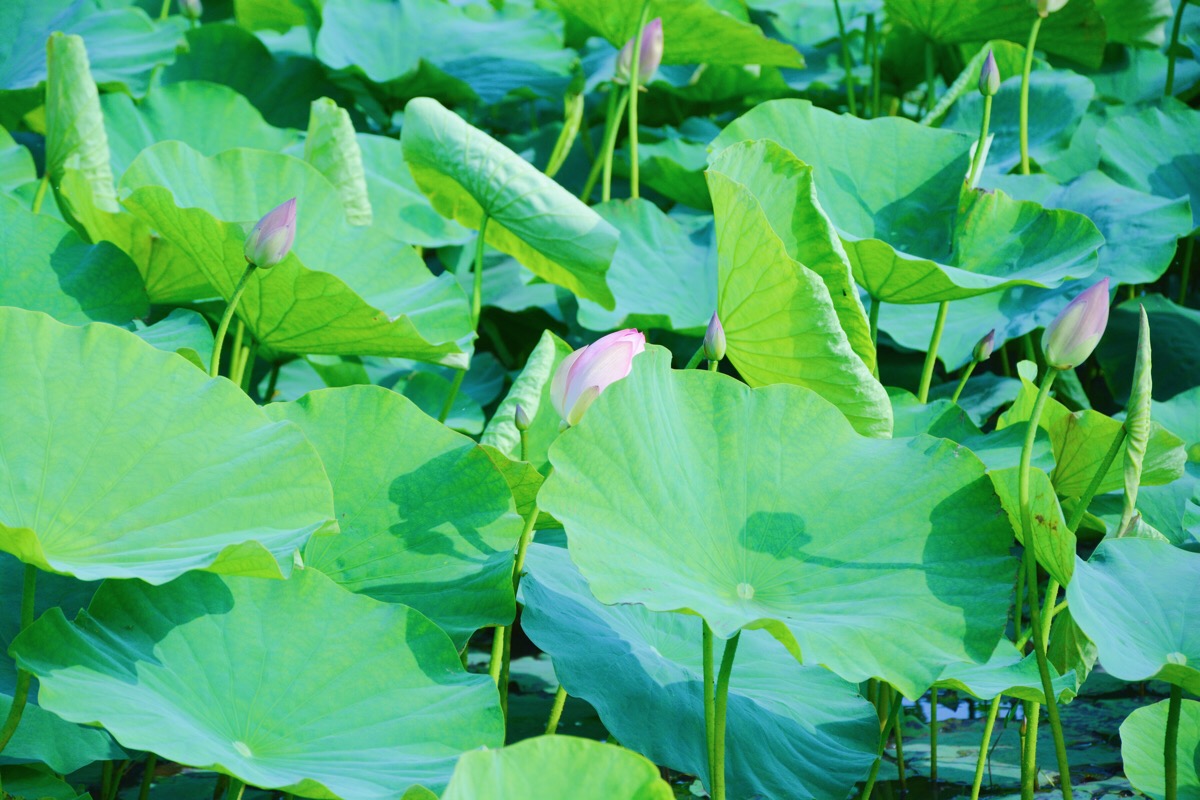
1075	332
714	340
271	238
989	76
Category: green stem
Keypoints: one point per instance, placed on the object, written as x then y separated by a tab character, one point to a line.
1029	770
40	195
477	278
931	357
634	67
714	366
722	700
235	352
981	145
891	721
933	735
984	744
696	358
847	60
1086	498
219	340
148	777
962	381
556	710
455	385
1035	612
1170	87
106	777
930	76
494	666
272	381
898	732
236	789
872	41
616	108
1188	249
24	679
1033	35
247	372
709	701
873	317
166	10
1171	743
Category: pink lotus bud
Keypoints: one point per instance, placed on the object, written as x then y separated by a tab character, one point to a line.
583	375
649	58
985	346
989	76
272	237
1047	7
192	9
521	418
1075	332
714	340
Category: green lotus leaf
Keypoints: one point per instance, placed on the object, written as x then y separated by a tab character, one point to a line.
496	50
887	588
674	165
332	148
814	735
430	524
1007	672
45	266
342	290
37	783
206	116
267	681
1143	739
1156	151
1174	335
1180	414
468	174
1075	31
75	122
1054	541
780	321
694	31
277	15
1070	650
531	390
183	331
124	461
1136	22
1136	599
396	200
16	164
557	766
1010	60
282	87
1140	233
124	44
663	275
911	234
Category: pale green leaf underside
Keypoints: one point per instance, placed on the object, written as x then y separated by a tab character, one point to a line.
1143	739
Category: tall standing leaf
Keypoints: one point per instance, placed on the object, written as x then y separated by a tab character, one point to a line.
332	148
1137	419
75	133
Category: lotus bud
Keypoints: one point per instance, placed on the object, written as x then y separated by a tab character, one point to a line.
989	76
714	340
192	9
272	237
648	59
985	346
521	418
584	374
1075	332
1047	7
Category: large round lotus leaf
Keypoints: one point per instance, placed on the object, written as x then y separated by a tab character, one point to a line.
1155	151
694	31
1075	31
663	275
496	50
813	735
207	116
557	768
1143	739
911	233
426	519
45	266
127	462
1137	600
468	174
1006	672
296	685
343	289
780	321
689	491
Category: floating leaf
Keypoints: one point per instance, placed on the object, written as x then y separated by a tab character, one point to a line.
886	588
1143	739
469	175
430	524
126	462
236	674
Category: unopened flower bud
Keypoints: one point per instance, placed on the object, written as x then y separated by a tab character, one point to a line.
714	340
584	374
192	9
649	57
272	237
1075	332
1047	7
985	346
521	418
989	76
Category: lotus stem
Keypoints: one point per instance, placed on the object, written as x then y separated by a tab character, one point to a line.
633	100
24	679
148	776
1031	587
236	789
1188	248
235	352
455	385
722	700
898	732
166	10
709	700
560	700
930	76
1171	743
933	734
931	357
40	196
219	340
1029	770
1170	87
696	358
891	721
497	655
981	145
616	109
984	746
847	60
962	381
872	42
272	381
1086	498
477	285
1033	35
